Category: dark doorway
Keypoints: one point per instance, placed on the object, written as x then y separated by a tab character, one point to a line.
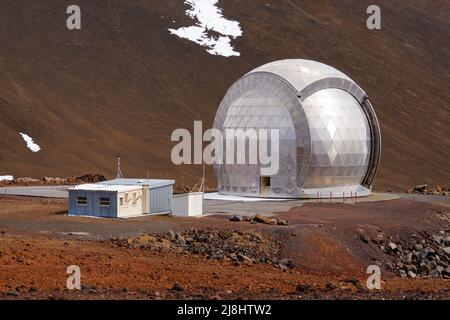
265	186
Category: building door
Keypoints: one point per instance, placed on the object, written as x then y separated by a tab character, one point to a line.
265	187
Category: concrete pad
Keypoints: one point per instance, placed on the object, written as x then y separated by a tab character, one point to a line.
231	205
217	196
37	191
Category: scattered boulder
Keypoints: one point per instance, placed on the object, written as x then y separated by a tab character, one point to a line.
259	219
303	288
54	181
437	238
13	293
282	222
243	258
177	287
392	246
424	255
356	283
227	245
435	273
27	181
165	244
286	264
447	241
215	256
446	273
427	252
262	219
422	189
179	237
86	287
364	238
145	239
236	218
90	178
411	274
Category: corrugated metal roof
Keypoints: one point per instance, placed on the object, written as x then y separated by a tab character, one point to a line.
105	187
152	183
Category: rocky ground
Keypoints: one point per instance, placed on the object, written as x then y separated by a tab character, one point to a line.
316	251
423	255
225	245
423	189
184	188
54	181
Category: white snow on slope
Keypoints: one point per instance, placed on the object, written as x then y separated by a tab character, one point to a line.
6	178
30	143
208	17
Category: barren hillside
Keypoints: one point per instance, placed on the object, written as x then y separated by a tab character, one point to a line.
123	83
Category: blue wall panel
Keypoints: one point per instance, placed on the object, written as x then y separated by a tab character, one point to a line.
93	207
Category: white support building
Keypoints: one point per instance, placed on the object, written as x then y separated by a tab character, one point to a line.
122	198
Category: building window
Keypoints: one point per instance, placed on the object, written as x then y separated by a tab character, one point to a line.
82	201
104	202
134	199
121	201
126	199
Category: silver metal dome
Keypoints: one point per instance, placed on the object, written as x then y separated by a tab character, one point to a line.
330	140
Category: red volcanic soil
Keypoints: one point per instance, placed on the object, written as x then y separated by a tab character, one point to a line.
119	259
123	83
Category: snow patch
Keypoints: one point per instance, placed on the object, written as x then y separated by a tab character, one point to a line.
209	18
30	143
6	178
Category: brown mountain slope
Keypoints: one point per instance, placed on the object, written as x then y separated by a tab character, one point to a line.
123	83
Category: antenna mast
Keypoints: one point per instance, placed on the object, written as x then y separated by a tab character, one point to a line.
202	186
119	171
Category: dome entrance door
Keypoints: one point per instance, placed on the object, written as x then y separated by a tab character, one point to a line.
265	186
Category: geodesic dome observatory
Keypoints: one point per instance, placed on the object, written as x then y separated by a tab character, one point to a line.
329	136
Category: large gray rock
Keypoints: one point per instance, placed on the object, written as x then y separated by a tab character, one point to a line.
286	264
411	274
392	246
243	258
427	252
446	272
420	188
437	239
236	218
262	219
282	222
447	241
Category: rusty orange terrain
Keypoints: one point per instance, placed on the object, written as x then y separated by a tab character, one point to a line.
329	257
